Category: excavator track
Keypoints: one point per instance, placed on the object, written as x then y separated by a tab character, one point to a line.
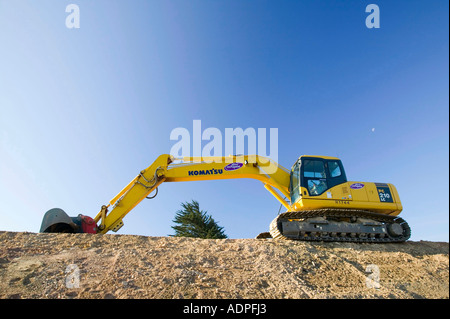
340	225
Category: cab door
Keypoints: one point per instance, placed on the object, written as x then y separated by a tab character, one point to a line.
314	177
321	178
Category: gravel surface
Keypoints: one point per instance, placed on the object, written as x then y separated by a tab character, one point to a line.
34	265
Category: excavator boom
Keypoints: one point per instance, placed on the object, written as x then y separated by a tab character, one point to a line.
168	169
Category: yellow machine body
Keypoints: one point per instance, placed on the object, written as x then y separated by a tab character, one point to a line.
315	185
342	196
380	198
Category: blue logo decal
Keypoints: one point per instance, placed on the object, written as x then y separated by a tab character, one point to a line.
357	186
233	166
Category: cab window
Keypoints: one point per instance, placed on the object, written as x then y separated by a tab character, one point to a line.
295	183
314	169
335	170
315	176
317	186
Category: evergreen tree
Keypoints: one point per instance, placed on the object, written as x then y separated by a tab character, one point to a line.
192	222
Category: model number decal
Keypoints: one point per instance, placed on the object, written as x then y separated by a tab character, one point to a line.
384	193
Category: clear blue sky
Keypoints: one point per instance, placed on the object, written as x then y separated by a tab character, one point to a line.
84	110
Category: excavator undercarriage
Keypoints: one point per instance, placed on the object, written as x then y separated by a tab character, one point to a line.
342	225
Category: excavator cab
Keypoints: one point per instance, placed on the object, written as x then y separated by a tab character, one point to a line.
314	175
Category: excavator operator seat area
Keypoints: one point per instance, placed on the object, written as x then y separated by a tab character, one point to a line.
316	175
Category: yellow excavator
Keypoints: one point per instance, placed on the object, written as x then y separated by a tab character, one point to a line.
321	205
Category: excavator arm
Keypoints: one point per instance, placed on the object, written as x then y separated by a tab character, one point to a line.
166	168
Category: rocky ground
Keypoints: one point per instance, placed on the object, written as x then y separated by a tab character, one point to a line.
124	266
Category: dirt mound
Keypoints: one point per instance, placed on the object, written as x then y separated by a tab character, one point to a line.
122	266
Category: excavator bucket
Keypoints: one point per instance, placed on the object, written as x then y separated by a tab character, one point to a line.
57	221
